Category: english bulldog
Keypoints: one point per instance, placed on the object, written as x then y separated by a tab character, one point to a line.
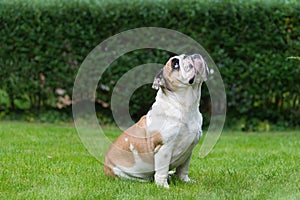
164	138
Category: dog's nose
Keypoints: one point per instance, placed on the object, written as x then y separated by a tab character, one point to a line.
198	61
196	56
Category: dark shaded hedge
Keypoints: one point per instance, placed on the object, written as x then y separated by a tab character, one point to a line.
43	44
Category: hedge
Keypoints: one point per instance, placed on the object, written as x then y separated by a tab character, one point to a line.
43	43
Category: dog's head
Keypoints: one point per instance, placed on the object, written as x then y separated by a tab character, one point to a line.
181	71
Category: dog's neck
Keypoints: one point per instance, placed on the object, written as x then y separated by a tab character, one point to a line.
183	99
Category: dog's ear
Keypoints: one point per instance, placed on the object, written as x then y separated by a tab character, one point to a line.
158	80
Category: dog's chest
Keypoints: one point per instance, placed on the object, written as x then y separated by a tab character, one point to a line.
185	138
178	127
180	131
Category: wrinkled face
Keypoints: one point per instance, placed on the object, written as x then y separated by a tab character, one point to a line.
181	71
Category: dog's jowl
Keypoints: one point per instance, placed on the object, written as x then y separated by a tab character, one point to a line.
163	139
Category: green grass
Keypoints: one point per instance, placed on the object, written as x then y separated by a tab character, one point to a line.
39	161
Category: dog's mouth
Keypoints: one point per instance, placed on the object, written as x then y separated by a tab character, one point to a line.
192	80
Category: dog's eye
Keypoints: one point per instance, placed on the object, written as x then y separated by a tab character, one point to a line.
175	64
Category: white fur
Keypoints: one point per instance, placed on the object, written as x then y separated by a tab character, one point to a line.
180	123
175	115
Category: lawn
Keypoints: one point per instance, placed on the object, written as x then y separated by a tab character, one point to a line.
41	161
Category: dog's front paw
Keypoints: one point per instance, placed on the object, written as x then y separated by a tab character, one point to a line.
161	181
164	184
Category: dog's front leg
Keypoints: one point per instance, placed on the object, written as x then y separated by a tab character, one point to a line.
182	170
162	160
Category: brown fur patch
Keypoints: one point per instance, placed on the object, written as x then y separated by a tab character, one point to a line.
108	169
170	76
143	143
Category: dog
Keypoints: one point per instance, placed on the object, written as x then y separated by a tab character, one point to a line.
164	138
